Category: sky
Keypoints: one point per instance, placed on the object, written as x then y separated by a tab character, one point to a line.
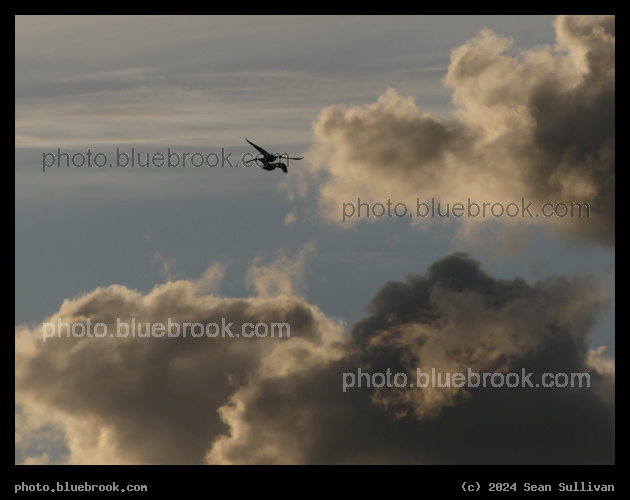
502	110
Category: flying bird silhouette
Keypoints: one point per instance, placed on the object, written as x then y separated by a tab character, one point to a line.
268	159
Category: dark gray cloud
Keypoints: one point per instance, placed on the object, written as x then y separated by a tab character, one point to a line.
453	317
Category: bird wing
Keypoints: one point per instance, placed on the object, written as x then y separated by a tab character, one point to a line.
258	147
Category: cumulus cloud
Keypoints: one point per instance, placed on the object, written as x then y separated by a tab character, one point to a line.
154	400
537	124
453	317
271	400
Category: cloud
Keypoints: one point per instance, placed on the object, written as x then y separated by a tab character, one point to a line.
210	281
453	317
537	124
271	400
164	264
283	276
605	367
290	219
153	400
